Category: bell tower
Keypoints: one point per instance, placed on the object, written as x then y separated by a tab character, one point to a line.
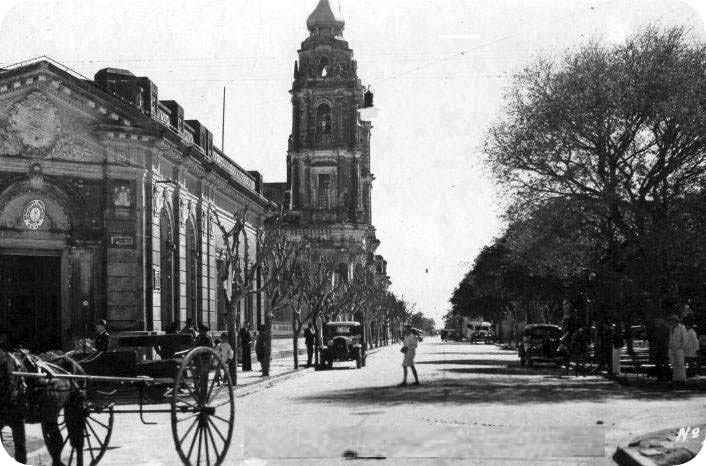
328	158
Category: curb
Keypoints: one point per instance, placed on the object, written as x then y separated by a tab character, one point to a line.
254	387
244	390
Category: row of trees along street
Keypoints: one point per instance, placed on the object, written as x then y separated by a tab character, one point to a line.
601	159
295	276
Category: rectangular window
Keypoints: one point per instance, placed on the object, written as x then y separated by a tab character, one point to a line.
323	192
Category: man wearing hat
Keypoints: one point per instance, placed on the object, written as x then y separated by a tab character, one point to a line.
677	342
203	338
102	336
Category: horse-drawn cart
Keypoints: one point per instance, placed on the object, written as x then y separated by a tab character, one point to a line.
201	406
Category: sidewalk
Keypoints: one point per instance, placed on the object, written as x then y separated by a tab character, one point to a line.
666	447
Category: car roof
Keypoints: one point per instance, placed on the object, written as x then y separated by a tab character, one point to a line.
531	326
343	323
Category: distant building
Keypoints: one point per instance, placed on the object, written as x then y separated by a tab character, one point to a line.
108	198
327	192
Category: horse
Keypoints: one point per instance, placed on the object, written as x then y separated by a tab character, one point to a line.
40	400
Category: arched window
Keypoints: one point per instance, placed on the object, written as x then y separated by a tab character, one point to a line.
323	67
323	124
166	266
192	267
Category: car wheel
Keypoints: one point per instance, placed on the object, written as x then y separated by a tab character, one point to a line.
358	361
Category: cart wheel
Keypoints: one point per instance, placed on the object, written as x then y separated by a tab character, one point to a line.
203	412
97	429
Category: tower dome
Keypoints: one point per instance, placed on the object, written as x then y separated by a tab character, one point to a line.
323	19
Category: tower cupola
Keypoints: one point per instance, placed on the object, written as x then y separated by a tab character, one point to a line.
322	21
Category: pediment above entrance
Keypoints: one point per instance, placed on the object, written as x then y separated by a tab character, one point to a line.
38	125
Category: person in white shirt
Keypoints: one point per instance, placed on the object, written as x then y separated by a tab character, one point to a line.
690	350
225	351
409	346
677	343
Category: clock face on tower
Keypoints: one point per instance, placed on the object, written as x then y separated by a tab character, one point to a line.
34	214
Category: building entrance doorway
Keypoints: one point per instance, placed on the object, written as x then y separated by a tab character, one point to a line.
30	301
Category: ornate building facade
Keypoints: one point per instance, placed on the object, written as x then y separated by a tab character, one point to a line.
327	191
108	199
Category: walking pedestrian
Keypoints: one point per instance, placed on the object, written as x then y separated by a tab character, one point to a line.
225	352
677	342
409	346
617	344
260	347
691	349
245	346
309	342
102	336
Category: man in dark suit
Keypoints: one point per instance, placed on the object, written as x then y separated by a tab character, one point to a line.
102	336
309	341
245	342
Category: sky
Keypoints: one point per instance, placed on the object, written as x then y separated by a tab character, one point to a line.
439	70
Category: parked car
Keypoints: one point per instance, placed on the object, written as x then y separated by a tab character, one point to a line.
540	342
343	341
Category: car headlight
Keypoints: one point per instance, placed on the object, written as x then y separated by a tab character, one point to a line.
329	343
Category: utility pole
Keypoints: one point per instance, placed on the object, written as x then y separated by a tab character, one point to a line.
223	123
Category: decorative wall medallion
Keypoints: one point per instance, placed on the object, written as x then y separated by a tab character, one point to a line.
34	214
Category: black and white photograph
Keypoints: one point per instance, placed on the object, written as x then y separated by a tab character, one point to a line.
329	232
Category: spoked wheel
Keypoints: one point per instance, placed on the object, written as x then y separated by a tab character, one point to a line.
97	429
203	410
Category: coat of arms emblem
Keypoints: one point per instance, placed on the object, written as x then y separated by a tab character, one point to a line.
34	214
33	126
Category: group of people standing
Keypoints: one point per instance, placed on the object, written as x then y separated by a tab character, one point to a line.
673	344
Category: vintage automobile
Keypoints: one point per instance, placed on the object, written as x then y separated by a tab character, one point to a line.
540	343
481	331
343	341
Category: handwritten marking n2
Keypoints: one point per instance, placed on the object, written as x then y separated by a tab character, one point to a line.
686	432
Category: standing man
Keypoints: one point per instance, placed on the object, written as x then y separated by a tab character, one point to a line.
309	341
677	343
409	346
691	349
102	336
245	341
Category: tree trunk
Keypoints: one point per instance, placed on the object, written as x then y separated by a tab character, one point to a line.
233	342
296	328
267	353
316	343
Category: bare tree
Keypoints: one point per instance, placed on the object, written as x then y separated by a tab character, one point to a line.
318	293
282	282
